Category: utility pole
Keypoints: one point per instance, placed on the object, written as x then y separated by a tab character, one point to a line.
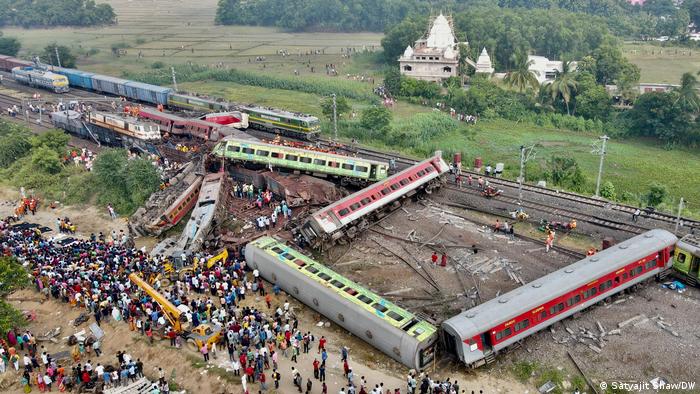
335	119
678	218
172	69
526	153
601	152
58	57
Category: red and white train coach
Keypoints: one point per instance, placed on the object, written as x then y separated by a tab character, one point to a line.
353	213
478	334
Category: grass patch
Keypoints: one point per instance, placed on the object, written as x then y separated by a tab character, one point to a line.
631	166
550	374
523	370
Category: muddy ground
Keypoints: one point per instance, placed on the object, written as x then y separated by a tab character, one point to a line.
642	351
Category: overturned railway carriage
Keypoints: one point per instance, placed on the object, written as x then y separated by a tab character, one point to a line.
41	79
183	101
478	334
398	333
109	129
348	169
191	128
352	214
686	262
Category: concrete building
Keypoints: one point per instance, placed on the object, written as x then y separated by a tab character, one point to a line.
546	70
434	57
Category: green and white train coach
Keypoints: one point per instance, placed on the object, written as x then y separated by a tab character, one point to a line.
348	169
400	334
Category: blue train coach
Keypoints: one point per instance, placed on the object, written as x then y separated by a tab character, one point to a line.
112	85
147	93
76	78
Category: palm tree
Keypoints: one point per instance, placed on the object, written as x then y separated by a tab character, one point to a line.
688	93
563	85
521	77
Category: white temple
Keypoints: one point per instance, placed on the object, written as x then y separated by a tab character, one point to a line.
435	57
483	63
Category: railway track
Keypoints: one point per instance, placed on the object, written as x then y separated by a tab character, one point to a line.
542	192
561	212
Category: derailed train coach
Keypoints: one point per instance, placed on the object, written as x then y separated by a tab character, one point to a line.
398	333
477	335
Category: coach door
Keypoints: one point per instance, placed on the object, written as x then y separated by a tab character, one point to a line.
373	171
486	342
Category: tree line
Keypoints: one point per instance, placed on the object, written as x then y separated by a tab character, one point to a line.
654	18
46	13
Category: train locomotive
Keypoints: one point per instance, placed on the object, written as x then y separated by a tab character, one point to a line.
41	79
349	216
478	334
398	333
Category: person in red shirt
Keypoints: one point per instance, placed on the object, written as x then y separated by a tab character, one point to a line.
85	377
172	335
434	258
321	344
263	386
316	364
346	368
249	371
443	262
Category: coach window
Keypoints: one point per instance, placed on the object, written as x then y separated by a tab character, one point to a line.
332	164
556	308
421	173
343	212
262	153
617	280
277	250
249	151
364	299
394	316
312	269
522	325
395	186
361	169
638	270
650	264
337	283
624	276
428	169
355	206
504	333
348	167
365	201
351	291
542	316
291	157
233	148
300	263
319	162
386	191
306	160
276	155
288	256
404	182
324	276
380	308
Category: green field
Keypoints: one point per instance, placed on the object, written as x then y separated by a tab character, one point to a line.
169	31
662	64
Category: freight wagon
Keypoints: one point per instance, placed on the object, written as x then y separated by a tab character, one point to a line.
76	78
401	335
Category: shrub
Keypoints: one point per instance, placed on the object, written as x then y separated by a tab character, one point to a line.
608	191
656	195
